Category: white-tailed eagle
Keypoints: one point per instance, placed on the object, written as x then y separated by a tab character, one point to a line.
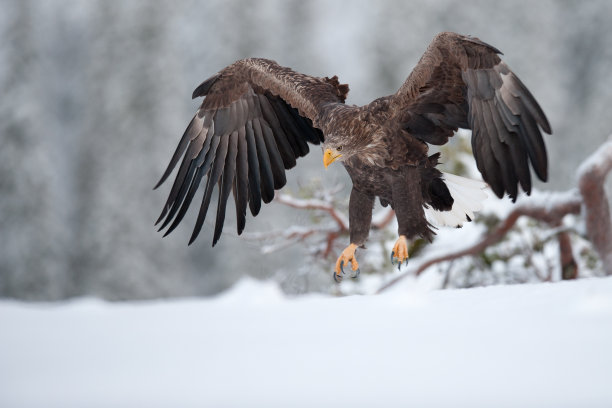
258	117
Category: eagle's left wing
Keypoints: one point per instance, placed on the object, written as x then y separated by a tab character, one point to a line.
255	120
460	82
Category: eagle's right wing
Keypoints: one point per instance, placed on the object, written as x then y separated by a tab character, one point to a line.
255	120
461	82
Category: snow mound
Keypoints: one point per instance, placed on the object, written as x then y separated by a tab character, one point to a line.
540	345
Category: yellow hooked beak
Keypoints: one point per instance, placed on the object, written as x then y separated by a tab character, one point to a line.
329	157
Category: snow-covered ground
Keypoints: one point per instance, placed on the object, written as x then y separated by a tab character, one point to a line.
536	345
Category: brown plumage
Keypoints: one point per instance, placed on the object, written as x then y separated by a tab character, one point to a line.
257	118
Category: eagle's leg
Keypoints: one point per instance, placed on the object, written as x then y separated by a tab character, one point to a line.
360	217
408	206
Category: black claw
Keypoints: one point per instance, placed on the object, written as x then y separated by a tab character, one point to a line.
342	266
356	273
337	277
392	253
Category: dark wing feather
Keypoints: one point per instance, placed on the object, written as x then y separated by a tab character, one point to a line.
282	141
192	131
265	167
256	119
299	145
461	82
254	186
226	183
216	171
241	181
276	160
186	173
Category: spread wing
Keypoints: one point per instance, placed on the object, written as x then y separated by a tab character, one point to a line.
255	120
460	82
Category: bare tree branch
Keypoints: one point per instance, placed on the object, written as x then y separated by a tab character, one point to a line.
326	234
314	204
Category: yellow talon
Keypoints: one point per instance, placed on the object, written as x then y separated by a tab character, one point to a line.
348	255
400	250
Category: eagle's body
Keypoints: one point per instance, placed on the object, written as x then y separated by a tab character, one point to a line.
257	118
388	157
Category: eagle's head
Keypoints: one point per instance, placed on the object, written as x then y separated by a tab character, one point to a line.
337	147
370	149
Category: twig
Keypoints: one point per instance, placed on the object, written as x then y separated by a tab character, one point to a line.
314	204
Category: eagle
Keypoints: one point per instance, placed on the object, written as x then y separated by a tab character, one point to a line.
258	117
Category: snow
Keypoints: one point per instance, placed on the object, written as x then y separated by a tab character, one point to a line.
534	345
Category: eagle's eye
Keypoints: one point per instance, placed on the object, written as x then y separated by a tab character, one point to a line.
339	148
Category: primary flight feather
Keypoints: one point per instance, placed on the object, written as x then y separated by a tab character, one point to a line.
258	117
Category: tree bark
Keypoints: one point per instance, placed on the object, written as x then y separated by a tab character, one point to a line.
593	172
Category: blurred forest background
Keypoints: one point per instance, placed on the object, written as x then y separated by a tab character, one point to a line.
95	95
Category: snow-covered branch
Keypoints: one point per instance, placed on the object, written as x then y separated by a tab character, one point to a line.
551	211
321	236
551	208
286	237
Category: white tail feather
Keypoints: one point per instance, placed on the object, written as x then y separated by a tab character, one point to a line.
468	196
